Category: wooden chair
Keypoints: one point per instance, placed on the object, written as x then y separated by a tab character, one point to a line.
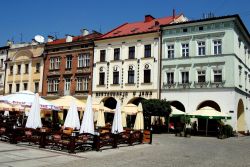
84	141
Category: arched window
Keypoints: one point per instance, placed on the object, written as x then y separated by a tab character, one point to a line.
116	75
131	75
101	76
147	74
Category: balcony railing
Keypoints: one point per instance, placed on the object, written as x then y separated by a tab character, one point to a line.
184	85
167	85
201	84
217	84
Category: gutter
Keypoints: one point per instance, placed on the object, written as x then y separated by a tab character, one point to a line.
5	71
160	64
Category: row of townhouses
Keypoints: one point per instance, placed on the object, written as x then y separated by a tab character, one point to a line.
192	64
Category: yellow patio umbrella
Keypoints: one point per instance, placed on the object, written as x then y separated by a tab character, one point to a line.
139	120
64	102
100	116
124	118
130	109
96	107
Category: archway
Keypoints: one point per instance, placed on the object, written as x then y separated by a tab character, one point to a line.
130	117
209	103
241	117
109	102
212	123
136	100
178	105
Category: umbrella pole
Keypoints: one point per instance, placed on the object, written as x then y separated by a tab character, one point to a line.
168	124
206	126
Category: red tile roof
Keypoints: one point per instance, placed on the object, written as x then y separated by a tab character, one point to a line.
76	38
150	24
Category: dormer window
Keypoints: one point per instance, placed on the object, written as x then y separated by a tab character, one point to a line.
184	30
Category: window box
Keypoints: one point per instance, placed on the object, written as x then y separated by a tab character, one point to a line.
149	83
129	84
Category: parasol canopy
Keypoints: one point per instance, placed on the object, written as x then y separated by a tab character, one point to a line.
26	98
65	102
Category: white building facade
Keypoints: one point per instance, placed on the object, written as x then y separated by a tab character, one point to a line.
3	57
206	63
126	62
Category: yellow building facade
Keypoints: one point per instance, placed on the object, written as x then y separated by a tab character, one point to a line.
24	68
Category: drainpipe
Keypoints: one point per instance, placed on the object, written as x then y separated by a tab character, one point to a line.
5	70
160	64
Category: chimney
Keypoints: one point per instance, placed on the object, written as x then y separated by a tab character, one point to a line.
69	38
174	14
33	41
148	18
9	43
84	32
50	38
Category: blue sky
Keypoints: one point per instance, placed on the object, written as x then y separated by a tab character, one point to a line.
60	17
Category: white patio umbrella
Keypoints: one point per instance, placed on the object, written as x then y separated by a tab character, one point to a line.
6	113
117	121
88	118
26	98
72	119
124	118
100	116
139	120
34	118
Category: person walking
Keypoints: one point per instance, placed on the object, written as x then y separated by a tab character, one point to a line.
195	128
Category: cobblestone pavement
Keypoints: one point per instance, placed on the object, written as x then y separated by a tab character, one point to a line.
166	150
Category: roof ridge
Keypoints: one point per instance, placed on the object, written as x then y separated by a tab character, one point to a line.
113	30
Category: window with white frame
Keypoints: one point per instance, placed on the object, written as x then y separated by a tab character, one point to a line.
116	77
201	48
68	61
101	78
131	75
147	74
55	63
67	84
85	83
185	49
117	54
185	77
217	75
83	60
82	84
170	51
201	76
53	85
217	47
170	77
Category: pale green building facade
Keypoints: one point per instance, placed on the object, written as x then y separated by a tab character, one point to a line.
206	63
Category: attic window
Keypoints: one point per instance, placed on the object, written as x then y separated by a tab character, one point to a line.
151	27
184	30
157	23
135	29
117	32
201	28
